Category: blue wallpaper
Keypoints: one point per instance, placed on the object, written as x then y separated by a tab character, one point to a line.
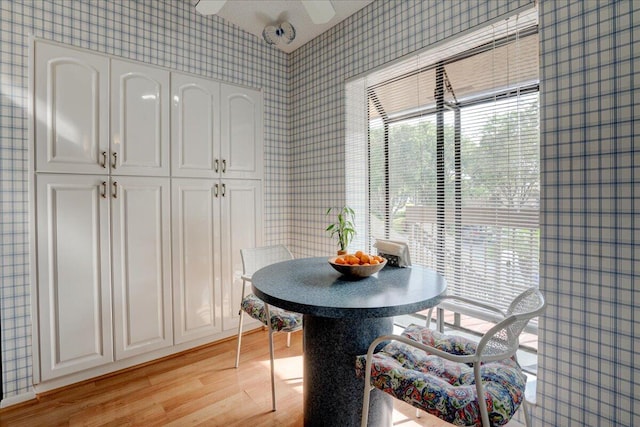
590	226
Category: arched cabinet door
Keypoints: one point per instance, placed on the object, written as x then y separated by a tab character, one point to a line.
71	129
139	120
195	127
242	142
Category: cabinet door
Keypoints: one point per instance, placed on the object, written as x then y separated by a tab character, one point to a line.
241	149
73	273
195	126
141	260
71	115
139	119
196	264
241	227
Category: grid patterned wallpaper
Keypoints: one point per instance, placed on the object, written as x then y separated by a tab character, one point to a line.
590	74
167	33
590	178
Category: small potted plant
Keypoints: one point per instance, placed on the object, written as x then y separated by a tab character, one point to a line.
343	228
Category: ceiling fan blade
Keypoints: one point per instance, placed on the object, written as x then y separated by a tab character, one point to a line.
320	11
209	7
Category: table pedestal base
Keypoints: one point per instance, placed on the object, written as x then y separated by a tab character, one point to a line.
332	392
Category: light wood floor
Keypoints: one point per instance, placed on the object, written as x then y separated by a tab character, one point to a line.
200	387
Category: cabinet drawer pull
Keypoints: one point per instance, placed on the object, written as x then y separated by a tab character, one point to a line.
115	160
115	189
224	166
103	193
215	190
224	187
104	160
216	163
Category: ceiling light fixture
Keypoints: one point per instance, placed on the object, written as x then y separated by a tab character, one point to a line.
280	34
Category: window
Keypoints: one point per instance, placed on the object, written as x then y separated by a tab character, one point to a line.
447	145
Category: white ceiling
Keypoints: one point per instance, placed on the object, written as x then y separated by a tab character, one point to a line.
253	15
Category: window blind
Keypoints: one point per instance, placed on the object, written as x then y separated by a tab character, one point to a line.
446	144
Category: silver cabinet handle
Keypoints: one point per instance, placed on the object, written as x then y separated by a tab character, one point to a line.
216	163
103	193
104	160
115	160
215	190
224	187
224	166
115	189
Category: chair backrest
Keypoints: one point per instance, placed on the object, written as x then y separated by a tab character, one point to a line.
502	340
253	259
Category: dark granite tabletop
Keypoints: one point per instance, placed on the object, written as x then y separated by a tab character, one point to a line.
311	286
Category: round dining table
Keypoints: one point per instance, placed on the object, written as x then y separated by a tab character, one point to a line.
341	317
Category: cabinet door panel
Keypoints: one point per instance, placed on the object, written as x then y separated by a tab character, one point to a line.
71	121
241	227
74	284
196	266
241	147
195	126
141	265
140	119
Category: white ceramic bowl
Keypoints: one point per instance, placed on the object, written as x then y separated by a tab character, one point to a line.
357	271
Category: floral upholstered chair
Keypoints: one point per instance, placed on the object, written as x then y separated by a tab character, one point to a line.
279	320
444	374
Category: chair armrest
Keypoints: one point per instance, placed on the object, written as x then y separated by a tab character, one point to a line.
246	277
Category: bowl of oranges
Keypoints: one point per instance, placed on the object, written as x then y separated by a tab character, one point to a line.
358	265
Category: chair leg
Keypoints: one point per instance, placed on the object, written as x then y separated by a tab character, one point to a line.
527	414
288	339
271	354
239	338
367	392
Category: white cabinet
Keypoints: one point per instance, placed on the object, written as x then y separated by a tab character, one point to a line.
217	129
139	119
216	134
212	221
141	264
195	117
73	127
73	273
196	263
72	123
78	263
147	185
241	227
241	149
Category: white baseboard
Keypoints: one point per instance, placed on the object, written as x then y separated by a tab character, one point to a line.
14	400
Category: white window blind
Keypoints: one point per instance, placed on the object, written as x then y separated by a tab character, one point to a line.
446	144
